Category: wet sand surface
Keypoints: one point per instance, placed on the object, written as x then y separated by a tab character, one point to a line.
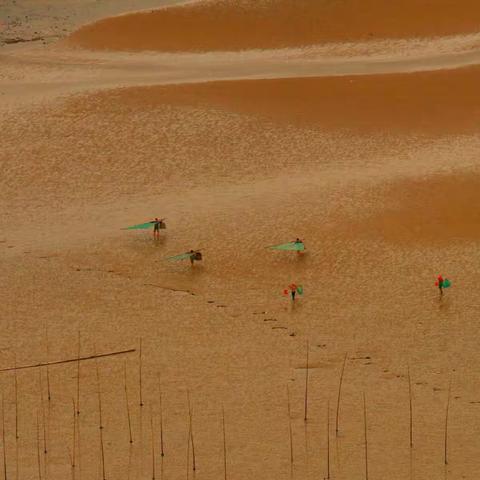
377	173
252	24
45	21
427	102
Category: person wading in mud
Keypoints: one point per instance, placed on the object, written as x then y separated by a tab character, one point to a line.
194	255
293	291
440	284
156	227
299	241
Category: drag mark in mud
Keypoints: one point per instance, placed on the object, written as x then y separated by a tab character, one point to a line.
172	289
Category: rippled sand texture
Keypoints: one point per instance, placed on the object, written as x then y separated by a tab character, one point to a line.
377	173
45	21
251	24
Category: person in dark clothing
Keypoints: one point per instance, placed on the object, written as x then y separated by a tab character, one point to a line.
157	225
293	291
195	255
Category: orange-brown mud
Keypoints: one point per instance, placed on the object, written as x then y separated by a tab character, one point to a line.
377	173
251	24
426	102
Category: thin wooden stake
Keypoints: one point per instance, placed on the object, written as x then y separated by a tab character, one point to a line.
99	396
16	402
3	440
72	470
446	423
78	462
365	433
45	450
78	373
16	422
48	384
48	369
328	440
306	384
102	450
129	461
38	451
74	435
128	406
141	437
411	406
224	445
290	427
339	394
161	415
188	448
100	419
153	445
140	374
190	415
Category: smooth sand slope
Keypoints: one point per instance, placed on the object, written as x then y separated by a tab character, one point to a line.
250	24
378	174
442	101
367	112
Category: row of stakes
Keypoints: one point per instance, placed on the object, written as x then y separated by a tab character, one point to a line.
190	440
